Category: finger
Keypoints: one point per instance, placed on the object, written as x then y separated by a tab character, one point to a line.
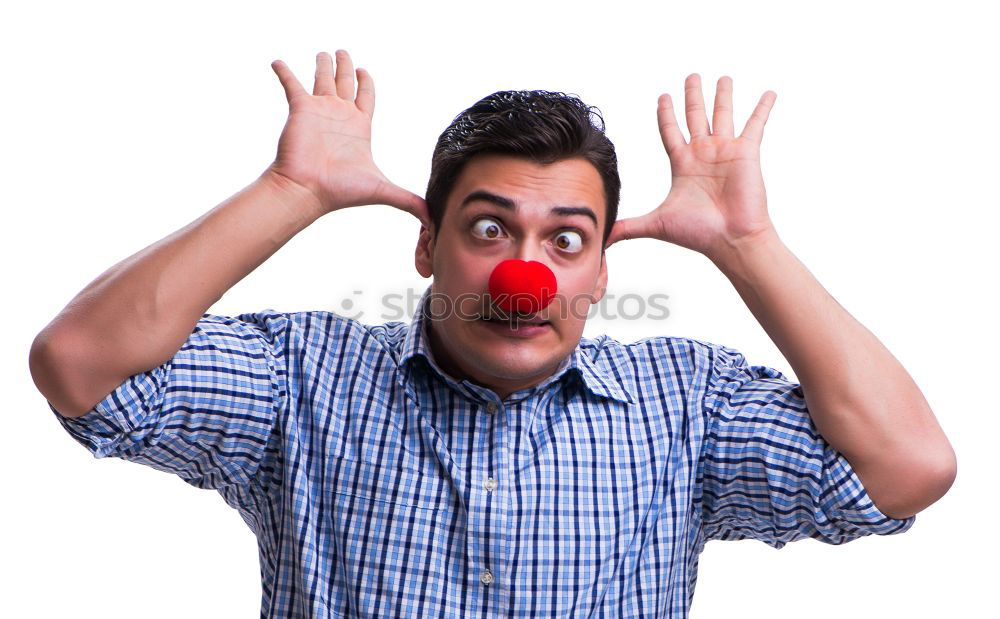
288	80
670	131
632	228
345	75
366	92
421	211
396	196
722	115
323	82
754	129
697	121
418	208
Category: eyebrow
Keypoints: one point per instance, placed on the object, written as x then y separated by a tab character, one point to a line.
507	203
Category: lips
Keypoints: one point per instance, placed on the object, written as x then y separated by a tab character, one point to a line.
516	330
493	314
514	320
514	325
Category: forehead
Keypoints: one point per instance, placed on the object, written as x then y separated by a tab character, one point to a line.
568	181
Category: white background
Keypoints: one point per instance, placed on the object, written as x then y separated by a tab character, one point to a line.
122	122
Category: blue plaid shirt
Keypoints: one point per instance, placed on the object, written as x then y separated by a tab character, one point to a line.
379	486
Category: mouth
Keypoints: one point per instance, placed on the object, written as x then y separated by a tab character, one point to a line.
511	323
515	324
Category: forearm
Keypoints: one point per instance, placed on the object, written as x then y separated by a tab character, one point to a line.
860	397
138	313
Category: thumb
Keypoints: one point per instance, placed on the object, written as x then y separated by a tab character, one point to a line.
396	196
632	228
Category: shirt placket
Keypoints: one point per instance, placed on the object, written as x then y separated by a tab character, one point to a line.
488	507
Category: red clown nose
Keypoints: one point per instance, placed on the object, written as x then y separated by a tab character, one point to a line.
522	286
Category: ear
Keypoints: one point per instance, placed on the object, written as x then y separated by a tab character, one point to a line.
424	254
601	286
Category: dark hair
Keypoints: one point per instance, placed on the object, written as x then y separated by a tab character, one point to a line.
539	125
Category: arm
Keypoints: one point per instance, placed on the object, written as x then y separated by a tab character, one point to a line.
859	396
766	472
138	313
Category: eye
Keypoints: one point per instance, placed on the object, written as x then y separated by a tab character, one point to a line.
490	229
570	241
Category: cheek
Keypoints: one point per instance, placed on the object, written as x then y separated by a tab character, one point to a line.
576	287
453	265
576	279
461	274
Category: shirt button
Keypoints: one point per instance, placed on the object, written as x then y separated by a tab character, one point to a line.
491	484
487	577
491	408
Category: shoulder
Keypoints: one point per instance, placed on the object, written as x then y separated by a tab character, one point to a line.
687	353
654	364
678	353
336	334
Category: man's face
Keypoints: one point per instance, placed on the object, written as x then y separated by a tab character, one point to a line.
477	234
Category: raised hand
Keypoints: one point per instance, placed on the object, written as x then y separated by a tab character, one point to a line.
717	195
325	145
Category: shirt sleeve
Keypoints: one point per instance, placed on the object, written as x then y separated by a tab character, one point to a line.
767	473
206	415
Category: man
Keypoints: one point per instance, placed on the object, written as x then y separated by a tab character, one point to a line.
471	462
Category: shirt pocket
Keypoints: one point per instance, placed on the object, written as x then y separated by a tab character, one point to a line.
389	485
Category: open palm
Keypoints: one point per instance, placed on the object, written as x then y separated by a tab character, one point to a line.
325	145
717	191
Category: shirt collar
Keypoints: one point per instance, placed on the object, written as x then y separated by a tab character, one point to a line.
416	344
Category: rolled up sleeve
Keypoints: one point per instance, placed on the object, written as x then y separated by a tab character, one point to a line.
767	473
206	415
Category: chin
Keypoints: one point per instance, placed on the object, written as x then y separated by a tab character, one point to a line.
515	364
494	353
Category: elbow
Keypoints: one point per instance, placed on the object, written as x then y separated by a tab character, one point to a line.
41	364
943	475
52	369
930	486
